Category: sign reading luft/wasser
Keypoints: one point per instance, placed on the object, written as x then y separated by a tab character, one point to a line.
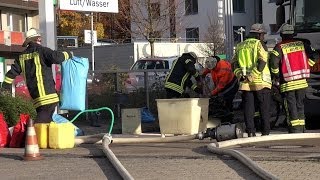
90	5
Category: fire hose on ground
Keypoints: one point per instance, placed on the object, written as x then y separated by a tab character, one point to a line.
228	139
106	139
220	148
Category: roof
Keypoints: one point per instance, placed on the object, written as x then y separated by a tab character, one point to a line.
171	58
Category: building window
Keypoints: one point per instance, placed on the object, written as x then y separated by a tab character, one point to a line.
154	10
15	22
237	34
9	22
191	7
238	6
19	22
192	34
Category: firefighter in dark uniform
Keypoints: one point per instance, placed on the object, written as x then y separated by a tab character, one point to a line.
290	63
179	77
34	64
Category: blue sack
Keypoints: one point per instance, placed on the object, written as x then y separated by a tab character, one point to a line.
60	119
74	81
146	116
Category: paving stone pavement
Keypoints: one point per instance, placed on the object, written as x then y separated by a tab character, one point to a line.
284	162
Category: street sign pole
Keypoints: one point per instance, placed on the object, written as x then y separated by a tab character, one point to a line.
229	41
47	20
92	44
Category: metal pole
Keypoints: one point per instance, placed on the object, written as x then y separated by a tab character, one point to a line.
228	13
92	43
241	31
47	19
146	85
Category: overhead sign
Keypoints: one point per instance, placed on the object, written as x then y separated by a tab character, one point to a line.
90	5
87	36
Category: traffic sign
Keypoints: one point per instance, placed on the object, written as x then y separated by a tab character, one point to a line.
90	5
87	36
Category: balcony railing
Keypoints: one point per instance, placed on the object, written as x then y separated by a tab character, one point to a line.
10	38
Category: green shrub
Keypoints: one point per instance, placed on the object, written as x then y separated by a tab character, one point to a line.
12	107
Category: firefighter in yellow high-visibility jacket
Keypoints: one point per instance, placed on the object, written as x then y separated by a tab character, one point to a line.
252	70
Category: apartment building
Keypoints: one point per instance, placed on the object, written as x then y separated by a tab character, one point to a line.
190	21
16	17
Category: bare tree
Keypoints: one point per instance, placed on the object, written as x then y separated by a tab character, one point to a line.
150	19
214	38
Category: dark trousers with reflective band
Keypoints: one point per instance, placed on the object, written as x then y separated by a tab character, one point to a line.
45	112
229	95
262	98
294	105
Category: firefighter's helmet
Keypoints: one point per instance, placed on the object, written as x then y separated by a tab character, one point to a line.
211	62
287	29
258	28
30	35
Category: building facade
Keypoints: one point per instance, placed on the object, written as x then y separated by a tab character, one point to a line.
192	17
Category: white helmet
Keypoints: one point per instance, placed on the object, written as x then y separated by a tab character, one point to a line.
211	62
258	28
286	29
30	34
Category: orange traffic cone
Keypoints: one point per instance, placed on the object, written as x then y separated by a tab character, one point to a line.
31	152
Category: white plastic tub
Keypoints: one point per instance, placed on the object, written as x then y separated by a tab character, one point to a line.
183	116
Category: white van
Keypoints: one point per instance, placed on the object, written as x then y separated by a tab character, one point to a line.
136	79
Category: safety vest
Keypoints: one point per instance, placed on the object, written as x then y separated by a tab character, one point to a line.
247	59
294	64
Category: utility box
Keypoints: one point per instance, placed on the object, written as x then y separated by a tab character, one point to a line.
131	121
183	116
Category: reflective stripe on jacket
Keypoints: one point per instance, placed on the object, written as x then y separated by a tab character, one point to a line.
34	64
294	64
247	54
180	75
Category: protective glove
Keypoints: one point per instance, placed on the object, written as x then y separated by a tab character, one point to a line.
6	87
242	78
198	90
250	78
71	52
276	82
199	84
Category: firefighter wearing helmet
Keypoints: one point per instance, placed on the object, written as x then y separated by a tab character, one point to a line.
35	64
226	83
252	70
290	63
179	77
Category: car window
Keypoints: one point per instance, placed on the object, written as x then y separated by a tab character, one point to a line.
151	64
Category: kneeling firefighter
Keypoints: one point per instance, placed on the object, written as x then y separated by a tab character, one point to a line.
226	83
179	77
226	86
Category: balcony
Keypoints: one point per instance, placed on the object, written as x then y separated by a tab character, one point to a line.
20	4
11	41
